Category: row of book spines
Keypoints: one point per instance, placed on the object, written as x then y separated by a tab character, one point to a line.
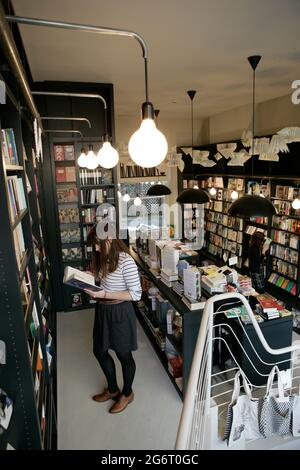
16	195
94	196
91	177
133	171
284	253
9	149
291	225
281	281
285	239
216	182
286	269
286	192
225	232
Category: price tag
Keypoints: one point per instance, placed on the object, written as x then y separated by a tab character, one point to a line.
232	261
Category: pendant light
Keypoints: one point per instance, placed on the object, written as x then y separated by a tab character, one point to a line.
158	189
148	146
193	195
91	159
108	156
82	158
252	205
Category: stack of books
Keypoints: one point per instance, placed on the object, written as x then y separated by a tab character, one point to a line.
245	285
268	307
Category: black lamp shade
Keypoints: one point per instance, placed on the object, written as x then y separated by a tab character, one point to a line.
193	196
252	206
158	190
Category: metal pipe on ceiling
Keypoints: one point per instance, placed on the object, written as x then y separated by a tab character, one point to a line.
58	118
56	131
88	29
72	95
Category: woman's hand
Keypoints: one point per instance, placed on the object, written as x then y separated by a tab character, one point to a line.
100	294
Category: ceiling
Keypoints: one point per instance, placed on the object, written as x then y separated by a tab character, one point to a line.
193	44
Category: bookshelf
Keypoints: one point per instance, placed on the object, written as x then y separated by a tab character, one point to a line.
285	233
25	300
78	193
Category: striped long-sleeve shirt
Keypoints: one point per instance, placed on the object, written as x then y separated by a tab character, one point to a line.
125	277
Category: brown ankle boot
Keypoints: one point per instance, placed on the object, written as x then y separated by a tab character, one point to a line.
121	403
105	396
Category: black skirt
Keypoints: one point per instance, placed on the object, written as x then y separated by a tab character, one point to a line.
115	327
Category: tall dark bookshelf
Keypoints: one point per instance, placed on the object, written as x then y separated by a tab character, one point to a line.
27	376
72	107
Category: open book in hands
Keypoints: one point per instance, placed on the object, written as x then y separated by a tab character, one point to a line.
80	279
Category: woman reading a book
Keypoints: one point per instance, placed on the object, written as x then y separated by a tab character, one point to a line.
115	321
256	261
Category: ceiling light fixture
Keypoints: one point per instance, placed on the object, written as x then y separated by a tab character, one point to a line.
91	159
252	205
147	146
82	159
158	189
212	191
192	195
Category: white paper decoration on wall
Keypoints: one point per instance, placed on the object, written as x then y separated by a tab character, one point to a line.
246	138
227	149
269	157
291	134
278	144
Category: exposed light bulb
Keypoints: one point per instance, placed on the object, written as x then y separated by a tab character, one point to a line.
261	195
234	195
119	194
148	146
107	156
296	204
152	182
126	197
91	159
212	191
137	201
196	186
82	159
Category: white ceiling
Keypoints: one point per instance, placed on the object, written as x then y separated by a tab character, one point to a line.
193	44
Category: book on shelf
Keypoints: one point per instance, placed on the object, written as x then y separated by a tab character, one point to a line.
82	280
68	215
9	149
69	152
68	194
59	154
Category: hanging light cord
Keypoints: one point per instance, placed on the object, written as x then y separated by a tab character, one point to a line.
146	79
253	119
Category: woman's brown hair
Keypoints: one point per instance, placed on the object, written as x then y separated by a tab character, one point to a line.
104	262
257	239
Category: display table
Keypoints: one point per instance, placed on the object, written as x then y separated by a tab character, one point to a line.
277	332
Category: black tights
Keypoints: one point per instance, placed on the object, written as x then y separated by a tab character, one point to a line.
108	366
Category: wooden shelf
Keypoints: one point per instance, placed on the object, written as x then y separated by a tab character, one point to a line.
20	216
14	168
24	263
97	186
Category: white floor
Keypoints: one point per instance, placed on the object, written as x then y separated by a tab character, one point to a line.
149	423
